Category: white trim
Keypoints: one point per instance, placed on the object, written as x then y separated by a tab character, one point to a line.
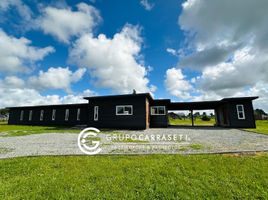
67	111
158	107
78	114
243	111
96	113
30	115
41	115
53	117
116	110
21	115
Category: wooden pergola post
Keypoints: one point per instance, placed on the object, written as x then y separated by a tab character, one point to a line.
192	117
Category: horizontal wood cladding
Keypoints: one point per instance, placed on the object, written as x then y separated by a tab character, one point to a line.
158	121
14	115
107	117
248	122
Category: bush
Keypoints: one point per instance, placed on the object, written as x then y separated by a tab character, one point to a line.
205	118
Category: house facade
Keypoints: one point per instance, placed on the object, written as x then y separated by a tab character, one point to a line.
132	111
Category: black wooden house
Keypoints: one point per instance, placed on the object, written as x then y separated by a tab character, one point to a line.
132	111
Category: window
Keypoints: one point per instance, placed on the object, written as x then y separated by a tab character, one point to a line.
158	110
240	111
30	115
21	115
41	115
96	113
53	114
78	114
124	110
67	114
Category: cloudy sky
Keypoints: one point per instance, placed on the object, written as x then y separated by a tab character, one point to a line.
55	52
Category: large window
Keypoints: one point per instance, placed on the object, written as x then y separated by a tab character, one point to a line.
30	115
124	110
53	114
96	113
78	114
41	115
158	110
240	111
67	114
21	115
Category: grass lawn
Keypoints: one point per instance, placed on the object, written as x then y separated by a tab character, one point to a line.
135	177
18	130
188	122
261	127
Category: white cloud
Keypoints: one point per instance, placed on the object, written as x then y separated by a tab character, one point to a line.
172	51
113	62
56	78
63	23
147	5
227	44
15	93
16	54
23	10
177	85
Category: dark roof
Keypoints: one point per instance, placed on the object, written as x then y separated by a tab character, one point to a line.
205	105
53	105
239	98
148	95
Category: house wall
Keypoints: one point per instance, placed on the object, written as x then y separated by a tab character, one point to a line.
14	116
107	117
248	122
158	121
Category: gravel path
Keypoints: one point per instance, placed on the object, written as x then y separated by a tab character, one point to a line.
194	140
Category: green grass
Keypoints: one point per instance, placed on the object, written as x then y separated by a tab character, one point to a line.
261	127
19	130
188	122
135	177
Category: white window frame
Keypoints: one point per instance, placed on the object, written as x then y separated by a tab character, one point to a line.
118	106
21	115
67	113
53	117
41	115
30	115
78	114
238	111
96	113
158	107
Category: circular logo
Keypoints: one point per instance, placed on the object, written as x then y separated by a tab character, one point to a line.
85	144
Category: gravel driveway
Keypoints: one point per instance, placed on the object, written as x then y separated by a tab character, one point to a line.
191	141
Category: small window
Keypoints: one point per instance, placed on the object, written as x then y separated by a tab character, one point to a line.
67	114
240	111
158	110
124	110
21	115
96	113
30	115
53	114
41	115
78	114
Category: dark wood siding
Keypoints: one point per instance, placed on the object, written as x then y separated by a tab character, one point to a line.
248	122
107	117
14	116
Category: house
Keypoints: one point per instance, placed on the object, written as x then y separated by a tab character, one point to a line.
132	111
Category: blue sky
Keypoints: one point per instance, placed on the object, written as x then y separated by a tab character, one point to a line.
101	47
